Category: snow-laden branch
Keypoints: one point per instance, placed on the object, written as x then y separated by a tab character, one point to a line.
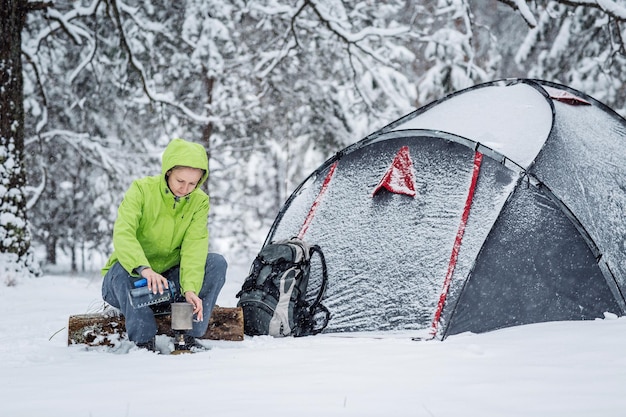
357	39
363	34
76	32
146	26
36	192
272	11
164	98
269	60
43	120
610	7
354	41
138	67
88	147
524	10
64	21
85	62
37	71
358	50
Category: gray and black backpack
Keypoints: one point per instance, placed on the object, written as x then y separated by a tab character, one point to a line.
277	298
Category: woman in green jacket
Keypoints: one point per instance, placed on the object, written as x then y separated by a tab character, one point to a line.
161	234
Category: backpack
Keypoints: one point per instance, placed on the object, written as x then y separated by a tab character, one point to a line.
274	296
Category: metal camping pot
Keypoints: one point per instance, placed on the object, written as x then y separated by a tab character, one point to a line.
182	316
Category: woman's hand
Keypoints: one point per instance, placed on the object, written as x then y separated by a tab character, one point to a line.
156	281
196	302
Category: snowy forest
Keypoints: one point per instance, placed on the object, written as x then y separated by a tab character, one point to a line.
91	91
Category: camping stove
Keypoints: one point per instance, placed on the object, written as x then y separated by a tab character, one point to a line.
182	320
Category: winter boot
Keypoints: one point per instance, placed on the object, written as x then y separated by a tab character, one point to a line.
149	345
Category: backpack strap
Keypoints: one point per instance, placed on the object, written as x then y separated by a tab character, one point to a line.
316	249
317	307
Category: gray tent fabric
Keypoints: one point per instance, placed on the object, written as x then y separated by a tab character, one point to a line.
534	266
517	215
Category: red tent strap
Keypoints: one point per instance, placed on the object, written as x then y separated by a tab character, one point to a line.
313	209
566	97
478	157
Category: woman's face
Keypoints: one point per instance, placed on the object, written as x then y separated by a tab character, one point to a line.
183	180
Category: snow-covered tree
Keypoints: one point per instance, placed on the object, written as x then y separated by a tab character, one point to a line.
271	88
102	100
318	75
584	49
453	57
577	43
16	257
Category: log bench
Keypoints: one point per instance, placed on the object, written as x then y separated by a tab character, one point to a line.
99	329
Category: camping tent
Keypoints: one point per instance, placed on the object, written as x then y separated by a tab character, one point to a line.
503	204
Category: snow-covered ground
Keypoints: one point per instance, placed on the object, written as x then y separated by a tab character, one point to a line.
551	369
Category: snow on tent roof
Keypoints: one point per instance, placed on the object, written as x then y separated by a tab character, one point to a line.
514	121
517	215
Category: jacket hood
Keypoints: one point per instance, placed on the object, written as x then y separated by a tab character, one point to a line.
180	152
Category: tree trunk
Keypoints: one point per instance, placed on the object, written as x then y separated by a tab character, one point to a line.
73	255
226	323
14	235
51	250
207	131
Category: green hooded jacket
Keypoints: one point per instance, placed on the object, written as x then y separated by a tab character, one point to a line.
156	229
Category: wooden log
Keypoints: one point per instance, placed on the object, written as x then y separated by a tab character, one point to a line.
225	323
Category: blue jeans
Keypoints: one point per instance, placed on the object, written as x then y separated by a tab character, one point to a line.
140	323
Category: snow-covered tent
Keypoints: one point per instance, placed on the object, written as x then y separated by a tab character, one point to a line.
499	205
